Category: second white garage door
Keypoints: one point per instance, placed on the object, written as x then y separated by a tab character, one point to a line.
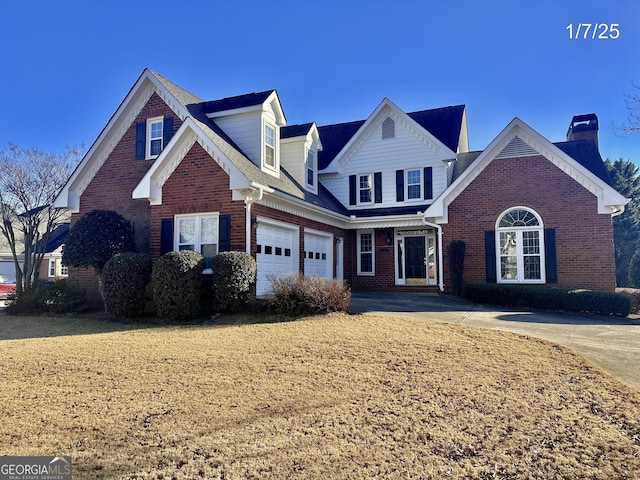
277	253
318	254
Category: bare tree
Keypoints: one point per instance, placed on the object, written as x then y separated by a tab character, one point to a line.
30	179
633	105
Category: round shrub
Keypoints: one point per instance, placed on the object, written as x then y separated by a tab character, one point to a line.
234	273
177	284
125	277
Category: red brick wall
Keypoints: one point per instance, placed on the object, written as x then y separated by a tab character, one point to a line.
113	184
198	185
584	239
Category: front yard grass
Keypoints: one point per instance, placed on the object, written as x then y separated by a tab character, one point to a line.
337	396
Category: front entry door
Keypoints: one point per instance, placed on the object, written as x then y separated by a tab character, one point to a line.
415	257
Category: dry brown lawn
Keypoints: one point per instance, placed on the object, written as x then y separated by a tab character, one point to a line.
325	397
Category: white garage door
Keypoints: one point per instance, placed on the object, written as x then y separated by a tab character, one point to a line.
276	248
318	255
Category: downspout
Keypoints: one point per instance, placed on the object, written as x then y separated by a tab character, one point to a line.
254	195
440	254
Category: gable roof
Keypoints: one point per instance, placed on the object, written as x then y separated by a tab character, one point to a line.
519	139
444	123
239	101
586	153
291	131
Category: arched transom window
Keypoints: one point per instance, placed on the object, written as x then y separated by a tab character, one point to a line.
520	245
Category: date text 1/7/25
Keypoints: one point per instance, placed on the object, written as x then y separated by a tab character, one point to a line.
594	31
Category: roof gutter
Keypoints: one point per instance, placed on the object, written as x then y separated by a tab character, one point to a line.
253	194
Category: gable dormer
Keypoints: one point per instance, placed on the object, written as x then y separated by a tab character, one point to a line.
299	147
253	122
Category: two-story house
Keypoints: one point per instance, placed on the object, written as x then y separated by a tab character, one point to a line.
374	202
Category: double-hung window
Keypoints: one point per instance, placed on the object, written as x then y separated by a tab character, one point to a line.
520	245
198	233
414	184
269	146
154	137
364	188
366	253
310	167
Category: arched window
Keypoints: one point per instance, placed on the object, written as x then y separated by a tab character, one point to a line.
520	246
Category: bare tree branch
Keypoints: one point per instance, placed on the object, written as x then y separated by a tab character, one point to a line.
30	180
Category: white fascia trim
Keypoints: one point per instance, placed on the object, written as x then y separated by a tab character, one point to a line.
138	96
609	200
299	207
386	105
150	187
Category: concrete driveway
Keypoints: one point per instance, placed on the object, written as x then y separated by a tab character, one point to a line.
609	342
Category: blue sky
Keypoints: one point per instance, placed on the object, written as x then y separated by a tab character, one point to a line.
67	65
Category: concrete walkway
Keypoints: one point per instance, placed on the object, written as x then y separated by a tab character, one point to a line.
609	342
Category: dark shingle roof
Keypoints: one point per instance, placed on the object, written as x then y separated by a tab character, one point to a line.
443	123
586	153
334	138
240	101
291	131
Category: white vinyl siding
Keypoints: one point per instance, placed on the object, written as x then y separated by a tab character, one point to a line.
374	154
246	131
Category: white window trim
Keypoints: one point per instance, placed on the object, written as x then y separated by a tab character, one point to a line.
276	163
373	253
406	184
197	247
371	188
52	262
519	249
150	122
314	166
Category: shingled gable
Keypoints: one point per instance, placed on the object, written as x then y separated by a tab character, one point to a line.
519	139
444	125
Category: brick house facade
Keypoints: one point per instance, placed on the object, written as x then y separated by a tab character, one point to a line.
373	202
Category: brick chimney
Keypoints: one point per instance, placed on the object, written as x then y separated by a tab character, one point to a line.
583	127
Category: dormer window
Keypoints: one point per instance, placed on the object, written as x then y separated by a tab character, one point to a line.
269	146
311	170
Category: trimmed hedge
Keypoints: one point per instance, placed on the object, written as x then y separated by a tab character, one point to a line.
234	273
299	295
177	285
548	298
125	277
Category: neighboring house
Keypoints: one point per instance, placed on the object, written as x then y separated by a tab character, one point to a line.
51	268
374	202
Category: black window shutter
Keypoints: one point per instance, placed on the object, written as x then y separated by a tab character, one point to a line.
428	183
224	232
399	185
167	131
550	262
166	235
490	256
377	187
141	130
352	189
